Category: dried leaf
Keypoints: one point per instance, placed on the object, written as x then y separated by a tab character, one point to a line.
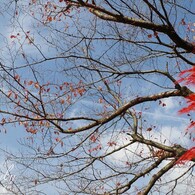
30	82
13	36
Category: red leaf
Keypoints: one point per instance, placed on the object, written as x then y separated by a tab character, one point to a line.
57	139
17	77
111	143
93	138
188	79
191	104
187	156
191	97
49	18
98	147
192	124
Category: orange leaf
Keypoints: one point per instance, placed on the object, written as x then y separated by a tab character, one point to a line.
62	101
17	77
31	130
30	82
36	85
49	18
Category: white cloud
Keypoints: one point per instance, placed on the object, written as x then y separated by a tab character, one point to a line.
131	153
4	191
185	182
171	103
169	135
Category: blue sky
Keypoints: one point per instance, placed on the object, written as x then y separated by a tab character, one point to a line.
169	125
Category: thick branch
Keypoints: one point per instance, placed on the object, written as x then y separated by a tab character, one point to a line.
126	187
184	91
119	18
157	176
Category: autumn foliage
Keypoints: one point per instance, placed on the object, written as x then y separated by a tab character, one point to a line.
187	156
191	104
188	79
188	76
88	90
